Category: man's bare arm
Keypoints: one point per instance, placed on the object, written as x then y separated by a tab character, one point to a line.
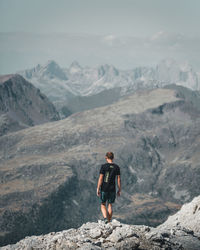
119	185
99	184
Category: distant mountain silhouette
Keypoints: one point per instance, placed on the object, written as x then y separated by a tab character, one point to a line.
77	84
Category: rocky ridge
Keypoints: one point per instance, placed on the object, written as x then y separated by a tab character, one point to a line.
22	105
116	235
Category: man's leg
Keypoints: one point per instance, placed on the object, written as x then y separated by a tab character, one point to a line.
109	212
104	210
111	200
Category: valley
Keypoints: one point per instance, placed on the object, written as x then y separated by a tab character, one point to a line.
49	172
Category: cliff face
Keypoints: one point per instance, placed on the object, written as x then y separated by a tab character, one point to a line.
22	105
173	234
49	172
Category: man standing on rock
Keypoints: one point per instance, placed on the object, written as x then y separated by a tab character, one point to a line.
106	185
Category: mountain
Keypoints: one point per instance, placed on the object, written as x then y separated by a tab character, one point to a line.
81	81
50	70
75	67
116	235
183	74
69	85
50	79
81	103
49	172
22	105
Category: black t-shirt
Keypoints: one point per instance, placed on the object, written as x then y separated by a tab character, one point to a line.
109	170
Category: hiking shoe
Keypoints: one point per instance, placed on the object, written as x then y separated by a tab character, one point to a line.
105	220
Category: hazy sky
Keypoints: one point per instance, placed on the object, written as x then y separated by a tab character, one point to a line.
171	23
119	17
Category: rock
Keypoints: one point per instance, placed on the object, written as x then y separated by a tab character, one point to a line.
116	223
188	217
121	233
128	244
89	246
98	243
115	236
95	233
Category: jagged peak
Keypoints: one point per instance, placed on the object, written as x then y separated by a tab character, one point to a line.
186	67
51	70
51	64
75	64
106	68
75	67
5	78
168	62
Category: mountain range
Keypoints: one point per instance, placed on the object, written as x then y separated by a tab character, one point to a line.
84	81
49	172
71	89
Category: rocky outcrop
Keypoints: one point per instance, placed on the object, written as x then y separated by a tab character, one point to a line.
22	105
182	228
49	172
188	217
116	235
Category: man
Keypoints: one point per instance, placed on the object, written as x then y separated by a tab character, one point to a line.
106	186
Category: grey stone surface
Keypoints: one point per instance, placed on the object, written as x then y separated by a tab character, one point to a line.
114	235
188	217
95	233
121	233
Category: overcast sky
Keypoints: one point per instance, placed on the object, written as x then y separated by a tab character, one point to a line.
153	20
119	17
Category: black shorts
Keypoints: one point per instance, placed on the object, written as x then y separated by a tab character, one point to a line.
108	196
